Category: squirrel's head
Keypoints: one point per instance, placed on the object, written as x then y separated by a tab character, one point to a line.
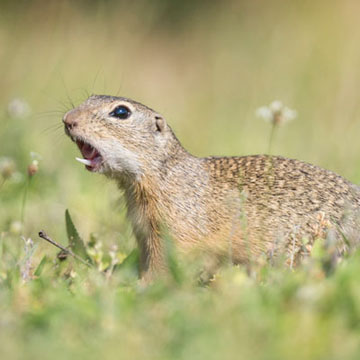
118	136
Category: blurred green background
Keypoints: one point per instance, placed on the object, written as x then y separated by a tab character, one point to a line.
206	66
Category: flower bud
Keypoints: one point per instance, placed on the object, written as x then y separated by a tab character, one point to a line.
7	167
33	168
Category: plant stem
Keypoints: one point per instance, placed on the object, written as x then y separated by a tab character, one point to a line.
44	236
2	183
28	181
272	133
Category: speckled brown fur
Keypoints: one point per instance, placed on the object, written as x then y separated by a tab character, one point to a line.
252	205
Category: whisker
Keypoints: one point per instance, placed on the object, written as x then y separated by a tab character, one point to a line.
52	128
63	107
84	93
121	85
66	106
49	112
67	93
104	88
95	79
49	116
87	94
58	139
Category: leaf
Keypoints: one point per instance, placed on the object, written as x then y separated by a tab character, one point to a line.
41	265
76	243
130	262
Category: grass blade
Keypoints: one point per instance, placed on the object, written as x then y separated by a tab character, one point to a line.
76	243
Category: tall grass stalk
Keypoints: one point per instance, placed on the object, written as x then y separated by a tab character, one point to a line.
24	200
2	183
271	137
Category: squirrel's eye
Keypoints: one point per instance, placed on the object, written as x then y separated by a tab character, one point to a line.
121	112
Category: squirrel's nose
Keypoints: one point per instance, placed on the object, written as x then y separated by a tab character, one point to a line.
70	119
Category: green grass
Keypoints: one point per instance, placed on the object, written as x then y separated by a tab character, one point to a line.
264	312
206	69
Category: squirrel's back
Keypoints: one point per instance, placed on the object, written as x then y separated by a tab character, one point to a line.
286	202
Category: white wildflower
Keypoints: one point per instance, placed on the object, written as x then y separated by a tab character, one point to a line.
276	106
18	108
276	113
16	227
35	156
289	114
25	266
265	113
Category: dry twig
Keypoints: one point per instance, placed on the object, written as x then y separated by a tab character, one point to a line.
44	236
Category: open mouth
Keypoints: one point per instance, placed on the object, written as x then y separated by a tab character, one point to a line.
91	157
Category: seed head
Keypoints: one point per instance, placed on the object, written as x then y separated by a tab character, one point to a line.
33	168
276	113
7	167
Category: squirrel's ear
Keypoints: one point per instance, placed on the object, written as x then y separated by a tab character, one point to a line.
160	123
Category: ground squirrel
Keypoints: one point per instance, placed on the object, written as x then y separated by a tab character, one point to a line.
250	205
